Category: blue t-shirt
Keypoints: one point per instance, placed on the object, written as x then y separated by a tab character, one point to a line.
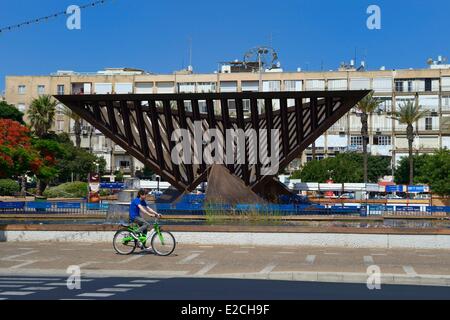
134	209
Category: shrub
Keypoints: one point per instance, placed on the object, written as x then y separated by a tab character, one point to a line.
68	190
8	187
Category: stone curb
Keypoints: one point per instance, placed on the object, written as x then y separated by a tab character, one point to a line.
326	277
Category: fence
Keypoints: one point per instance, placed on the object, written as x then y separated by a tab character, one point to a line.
192	206
52	207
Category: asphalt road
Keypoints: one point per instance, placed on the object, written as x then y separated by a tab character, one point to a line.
111	288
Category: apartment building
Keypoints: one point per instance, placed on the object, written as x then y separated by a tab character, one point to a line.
387	136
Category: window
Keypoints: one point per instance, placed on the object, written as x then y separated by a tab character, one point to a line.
339	84
315	85
123	88
60	89
382	84
22	89
124	164
41	89
60	109
398	86
356	140
186	87
246	105
103	88
293	85
446	103
60	125
385	104
428	124
144	87
359	84
206	87
228	86
250	86
382	140
271	86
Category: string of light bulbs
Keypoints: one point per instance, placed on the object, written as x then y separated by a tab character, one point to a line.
46	18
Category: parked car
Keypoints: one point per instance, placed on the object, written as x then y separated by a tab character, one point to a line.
392	196
347	196
423	196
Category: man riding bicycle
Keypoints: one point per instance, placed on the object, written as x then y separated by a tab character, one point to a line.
138	209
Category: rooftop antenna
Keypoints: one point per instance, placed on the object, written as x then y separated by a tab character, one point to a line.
190	51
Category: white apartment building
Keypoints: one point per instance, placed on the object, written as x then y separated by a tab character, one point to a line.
387	136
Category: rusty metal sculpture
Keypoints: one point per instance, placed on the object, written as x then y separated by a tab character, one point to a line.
143	124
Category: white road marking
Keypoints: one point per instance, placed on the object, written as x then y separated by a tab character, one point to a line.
19	255
16	293
286	252
206	269
189	258
369	260
30	279
310	259
145	281
23	264
20	282
268	268
95	295
38	288
132	258
208	247
130	285
409	270
379	254
114	290
331	254
11	285
240	252
65	283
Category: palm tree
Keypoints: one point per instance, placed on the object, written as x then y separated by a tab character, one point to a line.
77	127
408	114
367	106
42	114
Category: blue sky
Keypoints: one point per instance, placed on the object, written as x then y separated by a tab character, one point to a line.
153	35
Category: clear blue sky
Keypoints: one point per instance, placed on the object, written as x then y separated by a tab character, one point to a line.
153	35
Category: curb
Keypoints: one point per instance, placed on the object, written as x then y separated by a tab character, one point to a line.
324	277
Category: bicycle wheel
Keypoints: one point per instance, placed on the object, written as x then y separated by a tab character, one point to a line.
123	242
163	244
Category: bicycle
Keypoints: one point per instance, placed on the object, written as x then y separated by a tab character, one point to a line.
126	240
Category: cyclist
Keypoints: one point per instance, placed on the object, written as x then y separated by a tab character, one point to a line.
138	210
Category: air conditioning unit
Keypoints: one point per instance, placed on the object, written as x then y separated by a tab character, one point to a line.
434	114
84	132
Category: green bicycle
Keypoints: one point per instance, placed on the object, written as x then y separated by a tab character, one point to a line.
128	239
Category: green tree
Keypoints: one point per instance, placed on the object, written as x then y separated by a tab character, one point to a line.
8	111
41	115
367	106
435	172
346	167
409	114
49	152
402	171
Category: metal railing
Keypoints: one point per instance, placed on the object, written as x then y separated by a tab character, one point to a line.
47	207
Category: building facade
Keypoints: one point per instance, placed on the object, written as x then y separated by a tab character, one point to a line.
387	137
